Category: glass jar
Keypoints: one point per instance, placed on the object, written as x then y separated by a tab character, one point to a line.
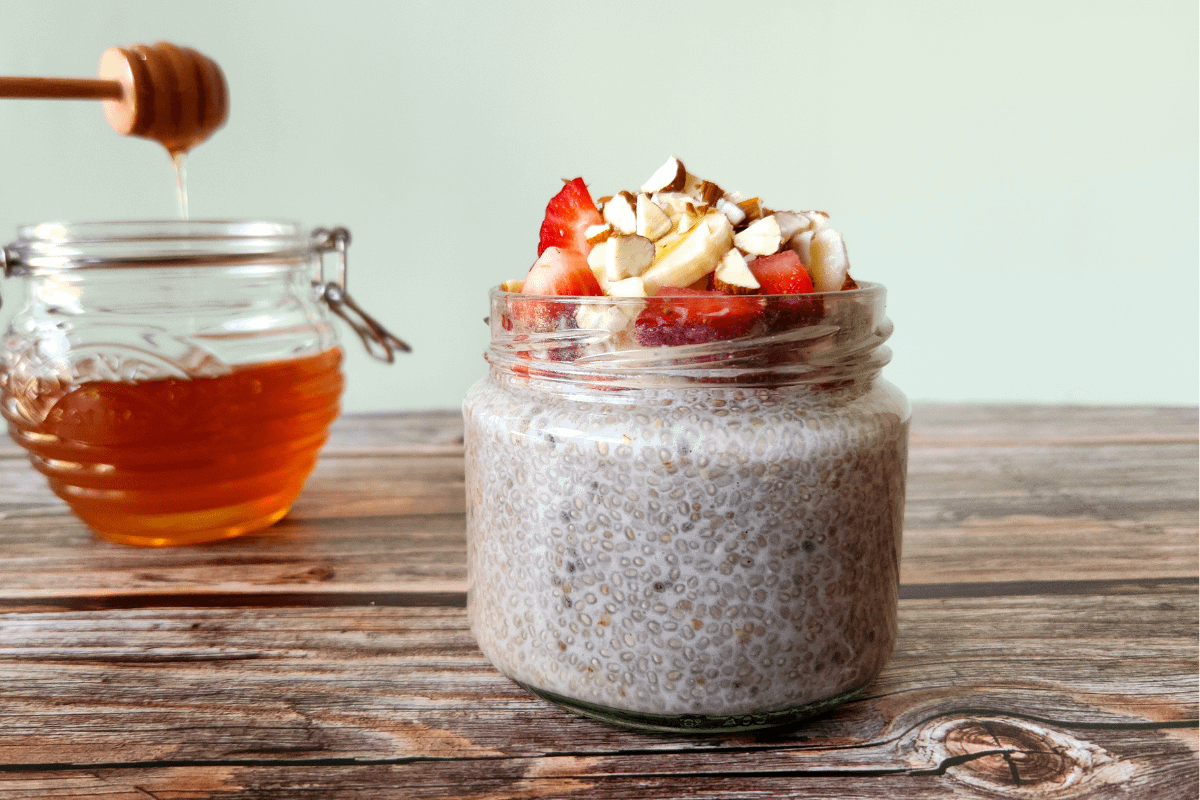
682	526
174	380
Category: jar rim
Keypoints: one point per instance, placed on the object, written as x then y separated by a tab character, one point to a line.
52	246
863	289
819	339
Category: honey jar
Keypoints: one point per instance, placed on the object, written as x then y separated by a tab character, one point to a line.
174	381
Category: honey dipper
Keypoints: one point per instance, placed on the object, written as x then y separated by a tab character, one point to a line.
171	94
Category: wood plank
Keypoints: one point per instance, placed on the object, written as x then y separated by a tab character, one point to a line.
1145	773
1103	481
950	424
375	706
933	423
431	431
437	431
425	553
24	493
1048	639
973	513
1035	435
945	485
381	486
375	524
228	686
359	484
418	553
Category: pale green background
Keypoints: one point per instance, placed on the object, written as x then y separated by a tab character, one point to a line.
1022	175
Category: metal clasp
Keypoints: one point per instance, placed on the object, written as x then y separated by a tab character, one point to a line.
381	344
5	268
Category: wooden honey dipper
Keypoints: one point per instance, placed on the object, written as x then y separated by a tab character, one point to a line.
171	94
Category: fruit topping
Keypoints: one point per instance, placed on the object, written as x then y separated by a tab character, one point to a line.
569	214
630	287
561	272
694	256
781	273
688	316
828	261
698	257
556	272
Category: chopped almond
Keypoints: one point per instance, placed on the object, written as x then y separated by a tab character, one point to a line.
652	221
732	276
762	238
669	177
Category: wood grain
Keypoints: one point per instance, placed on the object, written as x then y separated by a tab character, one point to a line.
1048	639
1061	659
1001	511
1172	781
951	424
60	88
328	687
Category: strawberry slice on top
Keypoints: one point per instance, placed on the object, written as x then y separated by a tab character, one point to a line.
677	316
561	271
568	216
561	267
556	272
781	273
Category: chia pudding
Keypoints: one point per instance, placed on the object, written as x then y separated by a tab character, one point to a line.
681	531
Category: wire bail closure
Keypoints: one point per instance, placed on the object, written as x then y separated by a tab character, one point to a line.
4	268
380	343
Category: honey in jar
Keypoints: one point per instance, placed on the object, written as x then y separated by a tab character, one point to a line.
175	461
175	380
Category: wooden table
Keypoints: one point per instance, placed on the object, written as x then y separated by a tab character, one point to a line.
1047	649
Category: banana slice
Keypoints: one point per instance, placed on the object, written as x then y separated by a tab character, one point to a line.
694	256
828	261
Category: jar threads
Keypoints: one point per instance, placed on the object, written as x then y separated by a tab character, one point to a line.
698	538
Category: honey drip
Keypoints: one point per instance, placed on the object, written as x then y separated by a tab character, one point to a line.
180	161
175	461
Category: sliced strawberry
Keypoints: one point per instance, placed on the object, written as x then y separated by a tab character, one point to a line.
794	311
561	272
568	215
693	316
556	272
781	273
